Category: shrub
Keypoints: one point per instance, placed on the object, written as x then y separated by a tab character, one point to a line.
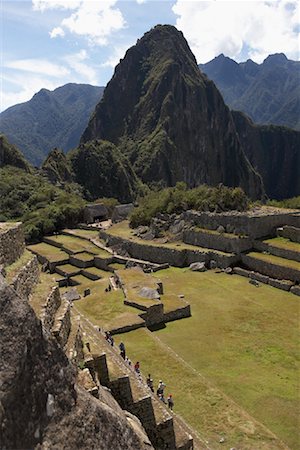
179	198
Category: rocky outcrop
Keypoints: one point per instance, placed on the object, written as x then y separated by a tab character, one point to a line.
170	119
274	151
56	167
40	405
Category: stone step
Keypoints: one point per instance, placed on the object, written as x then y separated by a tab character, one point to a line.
272	266
131	391
279	246
62	323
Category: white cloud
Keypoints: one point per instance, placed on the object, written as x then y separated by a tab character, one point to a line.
117	54
42	5
261	27
75	61
140	2
57	31
24	88
94	20
38	66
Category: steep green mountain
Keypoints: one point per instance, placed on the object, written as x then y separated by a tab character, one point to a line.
169	119
26	194
50	119
103	171
57	167
269	93
11	156
274	151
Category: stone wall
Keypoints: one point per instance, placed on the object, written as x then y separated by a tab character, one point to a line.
154	315
26	278
291	233
12	243
285	285
277	251
247	223
270	269
62	325
217	241
103	263
179	313
174	257
53	302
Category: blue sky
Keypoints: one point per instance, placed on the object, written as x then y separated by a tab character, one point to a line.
48	43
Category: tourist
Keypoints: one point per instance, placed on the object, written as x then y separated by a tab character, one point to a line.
137	367
161	387
150	383
170	402
128	361
122	350
161	397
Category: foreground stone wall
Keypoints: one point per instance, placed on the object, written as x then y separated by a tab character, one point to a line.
52	303
177	314
26	278
12	243
234	244
254	226
174	257
291	233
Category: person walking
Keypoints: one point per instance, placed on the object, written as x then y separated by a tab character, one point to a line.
122	350
150	383
170	402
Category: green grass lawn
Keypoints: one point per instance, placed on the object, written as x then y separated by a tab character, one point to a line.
84	256
276	260
75	244
87	234
242	339
281	242
104	309
53	254
69	268
123	230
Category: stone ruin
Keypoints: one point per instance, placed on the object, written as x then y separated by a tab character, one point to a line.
45	401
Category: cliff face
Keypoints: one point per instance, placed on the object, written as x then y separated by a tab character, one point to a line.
169	119
103	171
275	152
40	406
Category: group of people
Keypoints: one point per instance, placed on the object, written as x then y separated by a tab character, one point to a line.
160	392
161	385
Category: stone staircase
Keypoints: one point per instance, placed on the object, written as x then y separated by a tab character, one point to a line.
131	392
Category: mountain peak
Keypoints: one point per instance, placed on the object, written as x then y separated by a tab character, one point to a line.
275	59
169	119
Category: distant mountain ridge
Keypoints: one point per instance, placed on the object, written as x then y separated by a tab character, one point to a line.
269	93
50	119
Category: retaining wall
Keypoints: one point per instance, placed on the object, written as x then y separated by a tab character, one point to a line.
285	285
12	242
177	314
247	223
282	252
174	257
234	244
291	233
53	302
270	269
26	278
62	325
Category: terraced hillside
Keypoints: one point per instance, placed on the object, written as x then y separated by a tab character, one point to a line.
232	366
